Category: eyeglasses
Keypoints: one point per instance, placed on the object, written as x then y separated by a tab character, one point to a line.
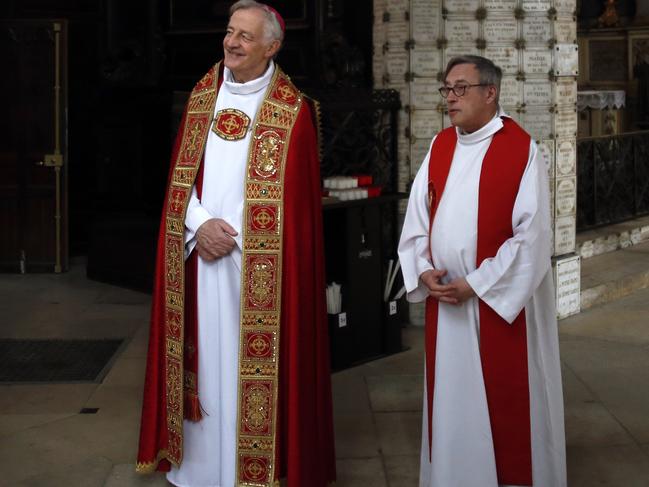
458	90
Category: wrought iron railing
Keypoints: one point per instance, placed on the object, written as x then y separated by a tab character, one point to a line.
612	179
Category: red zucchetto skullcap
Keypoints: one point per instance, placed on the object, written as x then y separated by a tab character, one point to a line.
279	18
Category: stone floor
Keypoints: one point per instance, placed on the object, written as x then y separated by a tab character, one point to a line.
44	441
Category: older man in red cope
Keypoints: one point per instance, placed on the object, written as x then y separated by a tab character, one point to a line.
476	245
238	388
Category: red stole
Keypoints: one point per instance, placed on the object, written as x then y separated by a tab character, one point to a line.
503	347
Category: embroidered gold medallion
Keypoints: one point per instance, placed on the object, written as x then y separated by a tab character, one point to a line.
231	124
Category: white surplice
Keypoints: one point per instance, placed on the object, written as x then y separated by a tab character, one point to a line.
210	444
518	277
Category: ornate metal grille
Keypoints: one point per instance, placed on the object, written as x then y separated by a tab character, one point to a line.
612	179
359	134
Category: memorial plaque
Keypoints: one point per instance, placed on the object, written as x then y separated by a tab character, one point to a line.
566	155
446	120
537	30
419	149
565	31
536	5
566	196
397	35
424	94
564	234
551	187
497	6
424	124
425	20
513	113
537	92
565	91
500	31
566	6
462	6
454	50
379	7
537	61
510	91
426	62
461	30
506	58
546	150
398	9
568	286
538	123
566	62
565	123
397	65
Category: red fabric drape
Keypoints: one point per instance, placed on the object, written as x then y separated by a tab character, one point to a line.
503	347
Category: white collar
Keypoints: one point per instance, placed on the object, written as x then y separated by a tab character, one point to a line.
248	87
487	130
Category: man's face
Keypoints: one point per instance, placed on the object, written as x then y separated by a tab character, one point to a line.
478	104
247	51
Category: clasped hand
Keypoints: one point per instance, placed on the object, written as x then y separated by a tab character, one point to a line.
455	292
214	239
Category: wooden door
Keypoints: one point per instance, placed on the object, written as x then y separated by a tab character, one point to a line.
33	146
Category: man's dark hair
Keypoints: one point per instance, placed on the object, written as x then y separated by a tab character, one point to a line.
490	74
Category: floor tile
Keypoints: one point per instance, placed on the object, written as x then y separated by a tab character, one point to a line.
361	472
402	470
396	392
618	466
399	433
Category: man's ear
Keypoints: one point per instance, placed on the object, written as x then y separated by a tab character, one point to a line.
272	48
492	94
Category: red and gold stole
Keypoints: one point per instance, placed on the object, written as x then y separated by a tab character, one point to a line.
261	283
503	347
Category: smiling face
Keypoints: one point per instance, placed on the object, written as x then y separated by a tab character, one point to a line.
479	103
247	50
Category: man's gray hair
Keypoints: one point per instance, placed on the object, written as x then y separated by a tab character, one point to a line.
490	74
272	30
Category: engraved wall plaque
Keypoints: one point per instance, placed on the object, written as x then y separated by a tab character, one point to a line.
565	123
398	9
461	6
536	5
513	113
424	124
461	30
500	31
454	50
446	120
396	63
565	31
538	123
506	58
419	148
566	156
537	30
566	62
567	278
397	34
537	61
537	92
566	196
565	91
426	62
564	234
424	94
498	6
566	6
546	150
510	91
425	20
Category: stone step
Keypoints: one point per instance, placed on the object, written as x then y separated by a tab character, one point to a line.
612	275
592	243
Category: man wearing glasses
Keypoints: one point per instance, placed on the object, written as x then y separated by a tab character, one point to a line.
476	245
